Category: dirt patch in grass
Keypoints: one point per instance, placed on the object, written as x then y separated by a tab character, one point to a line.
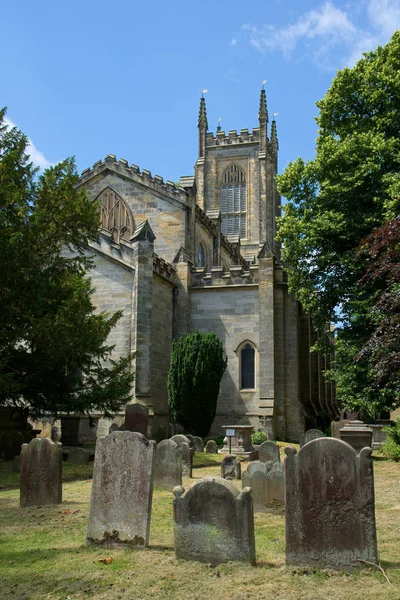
44	555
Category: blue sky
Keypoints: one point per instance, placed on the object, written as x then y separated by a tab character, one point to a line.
92	78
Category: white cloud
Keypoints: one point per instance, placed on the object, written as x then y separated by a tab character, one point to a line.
317	32
38	159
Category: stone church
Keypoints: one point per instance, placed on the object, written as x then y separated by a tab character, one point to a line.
201	254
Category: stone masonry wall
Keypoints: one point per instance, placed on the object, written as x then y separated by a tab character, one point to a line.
167	217
161	343
232	312
114	284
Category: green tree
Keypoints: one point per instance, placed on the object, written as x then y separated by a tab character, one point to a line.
53	351
196	369
349	190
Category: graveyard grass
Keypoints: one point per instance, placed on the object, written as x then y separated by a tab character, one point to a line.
43	553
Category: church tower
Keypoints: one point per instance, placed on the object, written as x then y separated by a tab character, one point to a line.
235	175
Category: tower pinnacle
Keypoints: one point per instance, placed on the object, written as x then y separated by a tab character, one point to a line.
202	122
274	135
263	112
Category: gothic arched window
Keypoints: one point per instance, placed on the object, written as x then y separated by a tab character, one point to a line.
247	367
233	202
201	256
115	215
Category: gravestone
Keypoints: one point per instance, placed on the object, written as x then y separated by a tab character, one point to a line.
11	444
213	522
211	447
329	494
311	434
198	444
255	477
17	464
230	467
55	433
269	451
267	484
78	456
187	459
137	418
180	439
256	465
191	439
168	468
40	473
275	488
114	427
122	490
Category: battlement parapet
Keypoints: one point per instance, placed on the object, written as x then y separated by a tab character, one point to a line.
219	277
134	173
233	137
163	268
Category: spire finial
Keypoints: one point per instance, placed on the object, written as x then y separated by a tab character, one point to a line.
274	134
263	113
202	122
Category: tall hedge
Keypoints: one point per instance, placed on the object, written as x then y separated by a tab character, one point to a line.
196	369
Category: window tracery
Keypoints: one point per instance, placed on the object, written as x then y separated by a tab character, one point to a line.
115	215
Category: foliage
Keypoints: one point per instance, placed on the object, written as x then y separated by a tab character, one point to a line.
337	200
258	437
196	369
52	342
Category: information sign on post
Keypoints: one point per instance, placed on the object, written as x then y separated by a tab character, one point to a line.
230	433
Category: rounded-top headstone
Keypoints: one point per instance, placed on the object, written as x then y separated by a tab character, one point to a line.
269	451
198	444
211	447
179	438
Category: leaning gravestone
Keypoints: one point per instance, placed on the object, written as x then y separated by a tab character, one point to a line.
168	469
187	459
330	520
11	444
41	471
230	467
78	456
137	418
213	522
269	451
198	444
211	447
311	434
122	490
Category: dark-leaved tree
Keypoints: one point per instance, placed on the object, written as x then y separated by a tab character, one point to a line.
196	369
335	201
53	351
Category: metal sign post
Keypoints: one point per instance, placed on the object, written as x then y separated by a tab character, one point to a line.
230	433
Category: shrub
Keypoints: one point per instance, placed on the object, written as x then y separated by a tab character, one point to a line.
258	437
196	368
391	446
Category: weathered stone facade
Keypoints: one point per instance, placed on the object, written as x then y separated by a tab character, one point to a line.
162	258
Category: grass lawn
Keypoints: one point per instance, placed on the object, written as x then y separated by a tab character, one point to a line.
43	554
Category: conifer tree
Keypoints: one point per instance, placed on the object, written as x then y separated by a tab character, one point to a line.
196	369
53	351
